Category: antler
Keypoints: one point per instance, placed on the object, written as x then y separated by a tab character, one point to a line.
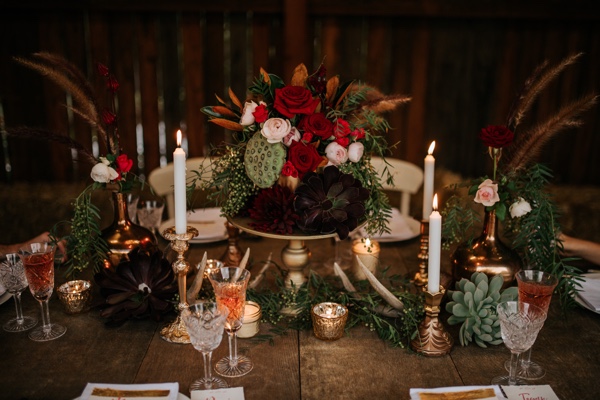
261	274
197	283
379	288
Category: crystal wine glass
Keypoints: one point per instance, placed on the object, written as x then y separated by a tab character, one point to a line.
520	324
149	214
38	260
229	284
535	287
12	276
205	322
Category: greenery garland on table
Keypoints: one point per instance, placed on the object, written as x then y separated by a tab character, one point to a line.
397	331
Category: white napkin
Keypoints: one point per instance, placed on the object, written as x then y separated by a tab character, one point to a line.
155	391
415	393
398	226
590	290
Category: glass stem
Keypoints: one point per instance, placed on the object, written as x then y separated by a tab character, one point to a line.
512	374
45	316
18	307
207	356
526	359
233	357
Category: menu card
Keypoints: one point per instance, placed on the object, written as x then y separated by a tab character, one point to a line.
537	392
149	391
235	393
590	291
458	393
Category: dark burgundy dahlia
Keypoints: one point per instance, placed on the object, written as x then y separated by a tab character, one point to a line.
330	202
141	287
273	210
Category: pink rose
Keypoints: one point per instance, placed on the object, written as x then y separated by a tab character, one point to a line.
336	154
275	129
355	151
487	193
248	117
293	135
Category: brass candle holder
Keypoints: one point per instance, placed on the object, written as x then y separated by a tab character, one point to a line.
433	340
176	332
420	279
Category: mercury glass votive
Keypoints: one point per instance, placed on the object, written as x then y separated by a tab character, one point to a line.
212	265
329	320
75	296
251	323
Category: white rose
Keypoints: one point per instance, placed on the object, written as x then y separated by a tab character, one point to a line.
355	151
102	173
293	135
275	129
519	208
247	117
336	153
104	160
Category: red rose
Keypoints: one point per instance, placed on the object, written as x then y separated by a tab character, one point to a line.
358	134
108	117
289	170
261	114
496	136
304	157
307	137
102	69
342	128
112	84
292	100
343	141
124	164
317	124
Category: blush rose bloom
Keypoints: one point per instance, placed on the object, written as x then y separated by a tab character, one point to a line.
336	154
355	151
519	208
275	129
487	193
293	135
102	173
248	113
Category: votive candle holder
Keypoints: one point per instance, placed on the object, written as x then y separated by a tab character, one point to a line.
251	323
75	296
329	320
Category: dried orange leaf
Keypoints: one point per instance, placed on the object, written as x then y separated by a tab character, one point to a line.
227	124
220	100
235	100
348	89
265	75
332	87
300	75
224	111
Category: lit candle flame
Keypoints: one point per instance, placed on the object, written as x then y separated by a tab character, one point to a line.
178	137
431	147
435	202
367	242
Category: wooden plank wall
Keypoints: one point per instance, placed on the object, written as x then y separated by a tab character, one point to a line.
461	63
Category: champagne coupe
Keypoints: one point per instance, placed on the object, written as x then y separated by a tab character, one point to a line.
12	276
520	323
535	287
229	284
38	260
205	322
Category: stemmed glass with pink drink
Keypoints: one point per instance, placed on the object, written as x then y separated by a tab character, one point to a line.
38	260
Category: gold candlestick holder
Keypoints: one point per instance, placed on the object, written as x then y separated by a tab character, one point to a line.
433	340
420	279
176	332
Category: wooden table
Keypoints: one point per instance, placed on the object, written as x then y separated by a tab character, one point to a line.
298	366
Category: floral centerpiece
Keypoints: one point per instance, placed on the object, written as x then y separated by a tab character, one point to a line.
515	190
111	171
301	157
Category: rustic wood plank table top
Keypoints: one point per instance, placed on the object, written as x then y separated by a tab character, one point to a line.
297	366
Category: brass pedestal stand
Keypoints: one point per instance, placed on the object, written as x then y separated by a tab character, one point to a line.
420	279
176	332
433	340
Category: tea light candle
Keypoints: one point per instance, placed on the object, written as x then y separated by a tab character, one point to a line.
75	296
329	320
429	174
368	251
251	321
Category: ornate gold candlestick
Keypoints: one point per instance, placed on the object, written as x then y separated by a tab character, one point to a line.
176	331
433	339
420	279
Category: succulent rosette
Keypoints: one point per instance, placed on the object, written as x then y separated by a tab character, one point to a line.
330	202
141	287
317	122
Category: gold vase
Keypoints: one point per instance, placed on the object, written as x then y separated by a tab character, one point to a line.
486	254
122	235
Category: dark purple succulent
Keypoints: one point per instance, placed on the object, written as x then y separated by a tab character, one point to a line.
330	202
141	287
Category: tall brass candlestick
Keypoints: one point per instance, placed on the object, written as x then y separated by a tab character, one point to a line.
433	340
420	279
176	332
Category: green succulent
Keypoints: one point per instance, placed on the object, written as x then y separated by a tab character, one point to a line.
473	304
